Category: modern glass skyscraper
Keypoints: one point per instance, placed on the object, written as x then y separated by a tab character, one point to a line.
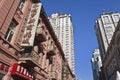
105	27
62	25
96	64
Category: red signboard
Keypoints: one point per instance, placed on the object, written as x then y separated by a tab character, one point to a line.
4	67
20	71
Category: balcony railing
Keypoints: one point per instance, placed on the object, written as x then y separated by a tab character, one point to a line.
41	34
53	75
31	58
42	72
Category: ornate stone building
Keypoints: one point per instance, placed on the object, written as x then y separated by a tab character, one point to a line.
29	48
67	73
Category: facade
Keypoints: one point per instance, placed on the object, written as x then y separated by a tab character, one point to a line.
67	73
62	25
105	27
96	64
29	48
111	63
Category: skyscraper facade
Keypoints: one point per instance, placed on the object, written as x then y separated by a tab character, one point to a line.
96	64
62	25
105	27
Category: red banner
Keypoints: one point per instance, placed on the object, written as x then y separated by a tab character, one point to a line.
4	67
20	71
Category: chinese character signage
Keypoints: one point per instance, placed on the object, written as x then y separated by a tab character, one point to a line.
30	29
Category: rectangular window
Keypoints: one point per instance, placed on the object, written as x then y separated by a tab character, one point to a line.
11	30
106	19
116	17
1	76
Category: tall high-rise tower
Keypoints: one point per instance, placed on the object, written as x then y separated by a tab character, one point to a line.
62	25
105	27
96	64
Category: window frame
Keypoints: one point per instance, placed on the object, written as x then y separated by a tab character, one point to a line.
11	30
21	4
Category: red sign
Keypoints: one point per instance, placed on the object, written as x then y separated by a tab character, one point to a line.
4	67
21	71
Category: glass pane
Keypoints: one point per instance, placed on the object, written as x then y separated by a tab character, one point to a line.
11	30
13	25
1	76
21	4
7	33
10	36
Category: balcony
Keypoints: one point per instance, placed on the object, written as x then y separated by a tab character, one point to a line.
40	34
42	74
51	49
30	58
53	75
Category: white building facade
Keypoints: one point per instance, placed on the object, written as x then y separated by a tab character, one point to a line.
62	25
105	27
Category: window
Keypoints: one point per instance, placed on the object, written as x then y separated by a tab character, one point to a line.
1	76
21	4
97	59
11	30
49	38
106	19
116	17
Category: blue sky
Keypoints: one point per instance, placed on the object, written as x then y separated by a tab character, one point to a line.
84	13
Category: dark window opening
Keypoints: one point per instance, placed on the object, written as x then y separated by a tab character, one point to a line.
11	30
21	4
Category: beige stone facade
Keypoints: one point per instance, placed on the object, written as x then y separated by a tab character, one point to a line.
29	48
67	73
111	62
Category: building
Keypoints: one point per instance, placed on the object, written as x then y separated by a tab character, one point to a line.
29	48
67	73
96	64
111	63
104	28
62	25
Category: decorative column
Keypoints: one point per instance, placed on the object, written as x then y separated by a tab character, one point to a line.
43	61
35	52
47	65
40	59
